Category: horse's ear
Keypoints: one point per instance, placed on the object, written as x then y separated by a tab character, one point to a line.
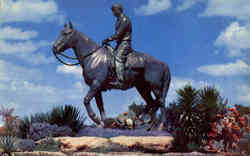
65	25
70	25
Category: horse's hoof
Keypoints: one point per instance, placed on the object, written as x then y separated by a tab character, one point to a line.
101	125
161	127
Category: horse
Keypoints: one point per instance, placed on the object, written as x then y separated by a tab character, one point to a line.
142	71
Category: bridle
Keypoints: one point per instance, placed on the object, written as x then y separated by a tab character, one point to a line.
75	58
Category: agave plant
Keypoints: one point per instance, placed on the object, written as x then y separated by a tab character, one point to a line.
7	144
67	116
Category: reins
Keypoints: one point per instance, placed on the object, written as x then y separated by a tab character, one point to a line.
73	58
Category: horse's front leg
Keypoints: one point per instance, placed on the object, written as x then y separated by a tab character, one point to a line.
99	102
94	88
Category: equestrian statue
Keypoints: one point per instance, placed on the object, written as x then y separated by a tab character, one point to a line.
105	68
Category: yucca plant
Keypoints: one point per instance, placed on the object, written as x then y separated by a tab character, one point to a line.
195	111
7	144
67	116
188	119
210	104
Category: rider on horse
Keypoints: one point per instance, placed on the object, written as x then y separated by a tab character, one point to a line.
123	31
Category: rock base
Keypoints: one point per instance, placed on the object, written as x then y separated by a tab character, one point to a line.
119	154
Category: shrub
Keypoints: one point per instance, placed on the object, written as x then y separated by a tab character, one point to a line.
67	116
243	110
27	121
232	130
11	122
39	131
7	144
62	116
191	116
137	109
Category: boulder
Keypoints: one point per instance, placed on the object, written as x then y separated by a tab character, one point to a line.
115	144
154	144
77	144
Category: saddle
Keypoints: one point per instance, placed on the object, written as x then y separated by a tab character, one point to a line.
134	60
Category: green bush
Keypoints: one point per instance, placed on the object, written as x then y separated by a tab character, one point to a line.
67	116
61	116
194	111
27	121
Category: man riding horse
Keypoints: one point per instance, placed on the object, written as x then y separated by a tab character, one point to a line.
123	33
146	74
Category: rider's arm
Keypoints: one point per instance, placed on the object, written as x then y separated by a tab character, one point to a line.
121	30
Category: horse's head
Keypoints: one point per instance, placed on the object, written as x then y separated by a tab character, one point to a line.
65	40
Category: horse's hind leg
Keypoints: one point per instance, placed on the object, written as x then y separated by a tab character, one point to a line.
161	94
99	102
145	92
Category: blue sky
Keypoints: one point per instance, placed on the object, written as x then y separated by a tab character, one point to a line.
204	42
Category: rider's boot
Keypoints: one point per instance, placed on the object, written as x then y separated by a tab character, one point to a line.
120	73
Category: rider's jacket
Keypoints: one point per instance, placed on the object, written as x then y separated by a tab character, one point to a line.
123	29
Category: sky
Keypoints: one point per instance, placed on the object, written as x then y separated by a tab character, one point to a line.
204	42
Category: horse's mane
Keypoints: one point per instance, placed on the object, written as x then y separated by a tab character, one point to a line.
85	37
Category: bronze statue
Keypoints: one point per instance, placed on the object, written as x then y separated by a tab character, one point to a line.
123	30
98	68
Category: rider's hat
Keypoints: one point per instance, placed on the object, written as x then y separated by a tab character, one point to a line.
118	6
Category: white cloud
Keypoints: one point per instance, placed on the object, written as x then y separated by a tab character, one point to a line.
9	72
26	50
18	47
75	70
230	69
26	88
10	33
29	10
239	9
153	7
37	58
244	93
236	39
186	4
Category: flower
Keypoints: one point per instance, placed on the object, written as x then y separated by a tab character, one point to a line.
225	123
235	112
248	129
235	127
113	124
242	121
124	113
214	124
212	134
235	138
